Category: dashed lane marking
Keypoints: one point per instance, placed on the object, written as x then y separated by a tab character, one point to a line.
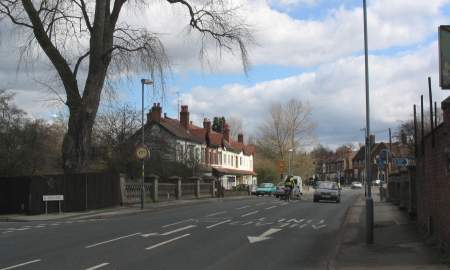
216	214
178	222
243	207
179	230
250	213
168	241
284	225
247	223
271	207
293	225
21	264
112	240
97	266
217	224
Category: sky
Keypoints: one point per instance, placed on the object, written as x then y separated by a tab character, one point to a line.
311	50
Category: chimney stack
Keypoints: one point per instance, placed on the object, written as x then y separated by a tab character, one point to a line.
241	138
155	113
226	132
184	116
207	124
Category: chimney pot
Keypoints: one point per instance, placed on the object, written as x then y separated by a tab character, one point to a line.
241	138
184	116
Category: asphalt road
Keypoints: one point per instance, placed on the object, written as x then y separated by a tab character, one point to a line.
254	233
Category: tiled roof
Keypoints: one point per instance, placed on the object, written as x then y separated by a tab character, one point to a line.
233	171
200	135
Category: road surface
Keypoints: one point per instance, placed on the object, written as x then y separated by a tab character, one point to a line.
253	233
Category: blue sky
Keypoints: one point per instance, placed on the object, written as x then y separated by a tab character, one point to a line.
311	50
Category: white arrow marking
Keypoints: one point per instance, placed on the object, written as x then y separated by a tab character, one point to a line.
263	236
321	221
281	220
318	227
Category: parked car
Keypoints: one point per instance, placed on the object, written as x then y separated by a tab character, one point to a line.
265	189
327	191
357	185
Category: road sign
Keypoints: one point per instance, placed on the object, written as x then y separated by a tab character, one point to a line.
48	198
444	56
401	162
281	165
142	152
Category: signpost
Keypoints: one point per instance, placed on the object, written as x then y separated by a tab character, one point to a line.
52	198
444	56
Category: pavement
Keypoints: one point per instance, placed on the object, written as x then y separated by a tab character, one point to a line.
246	233
397	244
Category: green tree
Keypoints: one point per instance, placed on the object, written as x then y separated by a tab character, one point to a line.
218	124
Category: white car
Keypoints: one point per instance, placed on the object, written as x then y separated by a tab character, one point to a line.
357	185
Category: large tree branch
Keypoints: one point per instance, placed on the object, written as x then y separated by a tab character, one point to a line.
77	65
58	61
116	12
6	10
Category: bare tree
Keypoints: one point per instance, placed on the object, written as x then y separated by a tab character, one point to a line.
288	127
235	126
72	31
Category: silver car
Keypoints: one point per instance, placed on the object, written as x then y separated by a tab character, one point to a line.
327	191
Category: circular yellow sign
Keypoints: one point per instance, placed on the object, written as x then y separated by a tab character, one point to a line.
142	152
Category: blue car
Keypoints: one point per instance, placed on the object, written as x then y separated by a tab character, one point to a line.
266	189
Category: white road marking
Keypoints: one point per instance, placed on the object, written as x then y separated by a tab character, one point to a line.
250	213
321	221
69	222
97	266
247	223
176	223
235	222
284	225
309	221
21	264
261	203
271	207
179	230
112	240
263	223
243	207
217	224
217	213
23	229
149	234
168	241
281	220
263	236
39	226
7	232
55	224
262	219
302	226
293	225
293	220
318	227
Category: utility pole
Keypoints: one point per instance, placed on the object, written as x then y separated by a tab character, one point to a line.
369	199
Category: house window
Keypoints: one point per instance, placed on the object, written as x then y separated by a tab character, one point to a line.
179	152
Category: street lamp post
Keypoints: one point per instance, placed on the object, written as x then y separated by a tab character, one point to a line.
369	199
290	160
143	82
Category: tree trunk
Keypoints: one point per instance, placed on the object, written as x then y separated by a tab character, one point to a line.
77	141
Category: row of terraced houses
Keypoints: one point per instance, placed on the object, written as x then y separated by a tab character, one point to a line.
211	153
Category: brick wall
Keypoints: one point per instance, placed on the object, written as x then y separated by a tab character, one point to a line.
433	183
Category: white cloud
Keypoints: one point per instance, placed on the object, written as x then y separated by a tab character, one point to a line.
335	91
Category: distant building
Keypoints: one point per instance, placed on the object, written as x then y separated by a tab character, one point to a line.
205	151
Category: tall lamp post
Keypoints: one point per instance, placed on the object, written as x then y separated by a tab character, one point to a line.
291	151
143	82
369	199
